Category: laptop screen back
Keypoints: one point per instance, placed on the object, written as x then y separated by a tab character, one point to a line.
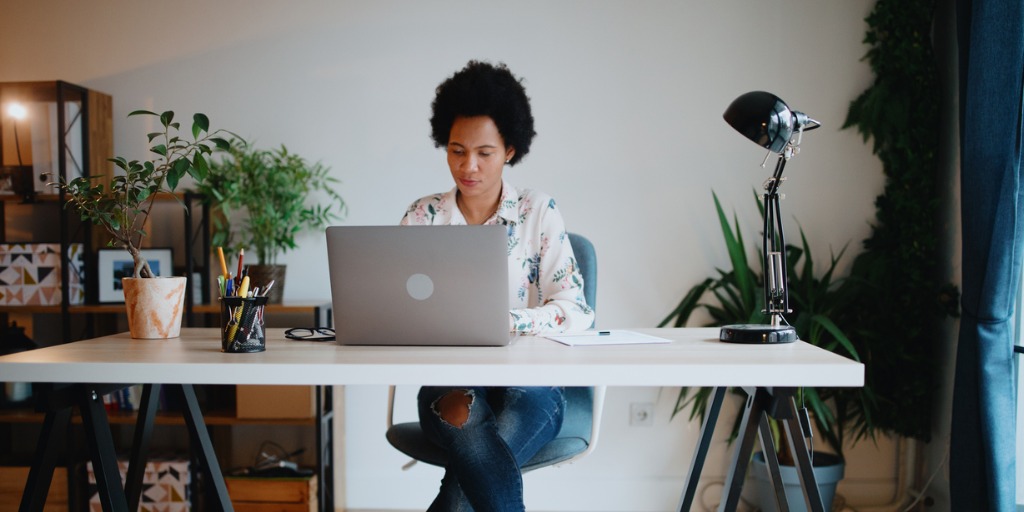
419	285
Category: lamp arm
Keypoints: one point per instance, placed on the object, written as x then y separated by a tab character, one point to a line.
783	268
773	248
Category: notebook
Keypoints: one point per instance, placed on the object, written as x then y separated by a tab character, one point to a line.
419	285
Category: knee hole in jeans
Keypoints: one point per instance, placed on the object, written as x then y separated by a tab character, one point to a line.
453	408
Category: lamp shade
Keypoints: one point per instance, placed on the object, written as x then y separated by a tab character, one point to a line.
763	118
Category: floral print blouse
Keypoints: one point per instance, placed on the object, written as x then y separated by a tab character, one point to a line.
544	282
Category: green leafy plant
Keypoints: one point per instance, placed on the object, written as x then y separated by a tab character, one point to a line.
819	304
275	190
904	300
123	205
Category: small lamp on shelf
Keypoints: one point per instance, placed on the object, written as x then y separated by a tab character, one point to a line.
767	121
17	112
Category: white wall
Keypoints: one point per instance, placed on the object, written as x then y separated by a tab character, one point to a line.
628	98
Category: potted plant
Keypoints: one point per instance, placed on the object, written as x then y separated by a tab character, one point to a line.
819	306
277	193
122	206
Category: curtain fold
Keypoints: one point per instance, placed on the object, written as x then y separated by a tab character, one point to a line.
983	430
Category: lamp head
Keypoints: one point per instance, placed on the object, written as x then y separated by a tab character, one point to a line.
765	119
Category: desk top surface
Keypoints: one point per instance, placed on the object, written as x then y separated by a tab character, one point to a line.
694	358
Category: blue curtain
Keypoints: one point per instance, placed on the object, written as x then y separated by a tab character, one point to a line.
991	50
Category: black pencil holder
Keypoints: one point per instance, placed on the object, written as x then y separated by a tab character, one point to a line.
241	324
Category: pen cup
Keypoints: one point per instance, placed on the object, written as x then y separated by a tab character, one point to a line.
241	322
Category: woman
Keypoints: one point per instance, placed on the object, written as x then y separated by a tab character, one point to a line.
482	117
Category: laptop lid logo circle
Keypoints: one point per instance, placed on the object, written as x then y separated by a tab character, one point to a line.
419	286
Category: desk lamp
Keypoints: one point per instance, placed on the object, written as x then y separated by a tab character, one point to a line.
11	180
17	112
765	119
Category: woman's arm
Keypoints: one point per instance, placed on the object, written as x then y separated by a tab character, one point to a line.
563	307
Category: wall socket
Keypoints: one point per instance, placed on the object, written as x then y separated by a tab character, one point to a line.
641	414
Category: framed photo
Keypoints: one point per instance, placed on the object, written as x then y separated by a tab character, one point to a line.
113	264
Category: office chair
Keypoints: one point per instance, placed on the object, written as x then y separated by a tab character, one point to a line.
582	421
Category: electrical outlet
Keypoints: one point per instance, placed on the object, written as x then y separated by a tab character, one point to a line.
641	414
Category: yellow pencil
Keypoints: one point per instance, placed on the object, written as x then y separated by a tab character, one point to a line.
223	264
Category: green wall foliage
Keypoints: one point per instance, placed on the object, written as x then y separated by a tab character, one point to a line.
898	320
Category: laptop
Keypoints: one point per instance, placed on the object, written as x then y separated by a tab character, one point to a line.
419	285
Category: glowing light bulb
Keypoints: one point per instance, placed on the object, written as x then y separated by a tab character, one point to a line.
17	111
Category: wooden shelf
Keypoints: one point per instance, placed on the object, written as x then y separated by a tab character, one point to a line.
299	306
39	198
55	309
54	197
292	306
162	418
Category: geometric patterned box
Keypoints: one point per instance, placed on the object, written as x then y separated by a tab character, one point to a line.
30	274
165	486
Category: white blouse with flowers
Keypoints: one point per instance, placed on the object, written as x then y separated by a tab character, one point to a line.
545	284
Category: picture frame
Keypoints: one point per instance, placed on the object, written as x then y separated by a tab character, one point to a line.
113	264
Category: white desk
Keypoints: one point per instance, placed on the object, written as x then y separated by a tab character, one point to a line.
694	358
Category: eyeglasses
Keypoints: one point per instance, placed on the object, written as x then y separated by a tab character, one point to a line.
310	334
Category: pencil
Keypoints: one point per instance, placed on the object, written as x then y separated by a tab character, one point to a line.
223	264
241	256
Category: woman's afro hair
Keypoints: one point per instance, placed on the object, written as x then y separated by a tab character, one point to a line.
482	89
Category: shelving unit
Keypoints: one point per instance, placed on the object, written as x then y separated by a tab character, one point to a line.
51	131
81	122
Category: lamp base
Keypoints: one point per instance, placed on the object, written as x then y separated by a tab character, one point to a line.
757	334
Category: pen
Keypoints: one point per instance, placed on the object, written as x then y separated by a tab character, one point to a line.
267	289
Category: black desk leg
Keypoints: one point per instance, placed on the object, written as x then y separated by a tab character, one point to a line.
325	446
101	446
771	459
140	444
752	412
798	446
208	458
55	430
699	456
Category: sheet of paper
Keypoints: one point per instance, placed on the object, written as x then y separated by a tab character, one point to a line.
589	338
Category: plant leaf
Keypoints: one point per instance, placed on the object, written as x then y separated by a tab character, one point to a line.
200	123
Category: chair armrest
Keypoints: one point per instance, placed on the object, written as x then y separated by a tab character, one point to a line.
599	392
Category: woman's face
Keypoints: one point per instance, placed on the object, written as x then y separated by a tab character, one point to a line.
476	157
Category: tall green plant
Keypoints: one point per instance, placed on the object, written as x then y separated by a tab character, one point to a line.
902	302
276	190
819	303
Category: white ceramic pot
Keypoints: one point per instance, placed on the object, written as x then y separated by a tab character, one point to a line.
828	470
154	306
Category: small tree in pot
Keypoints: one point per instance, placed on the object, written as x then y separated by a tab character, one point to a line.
123	205
276	192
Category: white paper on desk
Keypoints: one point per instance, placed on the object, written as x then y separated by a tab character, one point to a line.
612	338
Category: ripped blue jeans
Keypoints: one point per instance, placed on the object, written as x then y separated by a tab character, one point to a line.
505	428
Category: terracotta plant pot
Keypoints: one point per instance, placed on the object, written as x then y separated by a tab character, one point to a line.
154	306
261	275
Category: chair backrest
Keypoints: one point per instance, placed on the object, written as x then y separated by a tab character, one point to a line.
586	260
